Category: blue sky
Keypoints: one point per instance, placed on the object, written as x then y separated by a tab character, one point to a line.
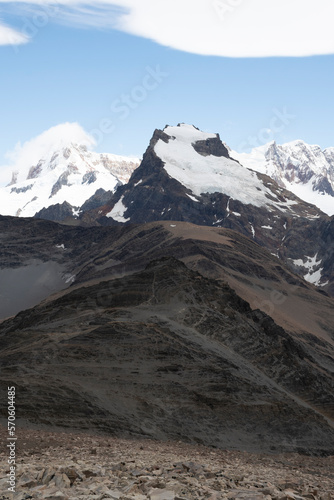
119	85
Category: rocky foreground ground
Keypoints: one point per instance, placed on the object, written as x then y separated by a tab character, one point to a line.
59	466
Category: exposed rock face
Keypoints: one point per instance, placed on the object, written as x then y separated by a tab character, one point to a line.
63	179
100	198
89	178
324	186
212	146
36	170
21	190
167	353
56	213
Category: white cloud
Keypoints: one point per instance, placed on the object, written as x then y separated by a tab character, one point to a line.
29	153
9	36
232	28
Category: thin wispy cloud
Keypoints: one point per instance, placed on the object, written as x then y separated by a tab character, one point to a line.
10	36
231	28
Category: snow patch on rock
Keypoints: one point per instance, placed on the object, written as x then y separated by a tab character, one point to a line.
117	213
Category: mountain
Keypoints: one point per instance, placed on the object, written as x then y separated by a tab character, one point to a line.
303	169
150	338
62	181
187	175
186	163
192	303
36	253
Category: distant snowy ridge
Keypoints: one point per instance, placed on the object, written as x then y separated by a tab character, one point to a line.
71	174
303	169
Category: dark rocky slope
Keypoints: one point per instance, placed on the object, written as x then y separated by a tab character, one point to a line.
71	256
167	353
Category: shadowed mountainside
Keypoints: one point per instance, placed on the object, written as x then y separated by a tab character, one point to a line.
167	353
162	332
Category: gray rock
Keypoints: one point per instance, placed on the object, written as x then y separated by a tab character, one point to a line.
246	495
48	475
58	495
61	480
71	473
162	495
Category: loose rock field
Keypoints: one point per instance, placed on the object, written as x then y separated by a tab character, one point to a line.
71	466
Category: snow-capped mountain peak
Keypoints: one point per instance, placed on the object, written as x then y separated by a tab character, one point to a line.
304	169
200	162
69	174
187	133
